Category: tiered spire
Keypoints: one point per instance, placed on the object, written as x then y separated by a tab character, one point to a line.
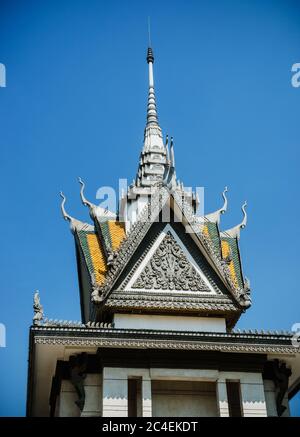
154	155
152	118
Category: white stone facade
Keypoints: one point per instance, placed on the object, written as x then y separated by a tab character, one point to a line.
169	393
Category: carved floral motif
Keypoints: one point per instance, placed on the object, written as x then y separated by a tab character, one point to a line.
169	269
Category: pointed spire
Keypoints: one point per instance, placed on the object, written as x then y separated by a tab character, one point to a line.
154	154
152	118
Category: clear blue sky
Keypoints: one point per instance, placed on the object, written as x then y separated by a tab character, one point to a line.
75	105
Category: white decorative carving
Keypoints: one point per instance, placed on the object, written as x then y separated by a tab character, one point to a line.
169	269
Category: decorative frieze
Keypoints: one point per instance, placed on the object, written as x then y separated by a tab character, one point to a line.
164	344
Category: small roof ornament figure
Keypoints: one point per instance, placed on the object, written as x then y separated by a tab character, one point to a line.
38	309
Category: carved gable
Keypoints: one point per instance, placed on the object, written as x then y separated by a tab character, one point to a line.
169	269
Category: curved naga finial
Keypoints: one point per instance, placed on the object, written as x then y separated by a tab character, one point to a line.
244	222
169	176
224	207
235	231
95	211
215	216
82	196
66	216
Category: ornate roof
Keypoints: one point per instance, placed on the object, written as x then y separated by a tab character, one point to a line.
107	250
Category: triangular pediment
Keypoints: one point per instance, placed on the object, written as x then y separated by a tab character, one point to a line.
169	267
127	288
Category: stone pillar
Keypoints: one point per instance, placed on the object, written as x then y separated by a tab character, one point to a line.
270	397
93	396
146	397
66	406
253	396
222	398
114	392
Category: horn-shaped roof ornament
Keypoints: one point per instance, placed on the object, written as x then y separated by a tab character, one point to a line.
167	149
82	196
215	216
65	215
235	231
169	177
95	211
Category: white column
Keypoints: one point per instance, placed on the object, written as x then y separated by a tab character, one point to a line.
222	398
146	396
115	393
270	397
253	395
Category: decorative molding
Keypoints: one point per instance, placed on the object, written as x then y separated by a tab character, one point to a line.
75	324
168	303
164	344
247	341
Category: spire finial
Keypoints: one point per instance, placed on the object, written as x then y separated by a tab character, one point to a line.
153	147
152	118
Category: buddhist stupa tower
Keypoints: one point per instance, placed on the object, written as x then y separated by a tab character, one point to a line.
161	290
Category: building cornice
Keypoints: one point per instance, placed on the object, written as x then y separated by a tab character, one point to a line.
249	342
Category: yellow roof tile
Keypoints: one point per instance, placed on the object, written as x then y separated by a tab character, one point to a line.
225	254
98	259
117	233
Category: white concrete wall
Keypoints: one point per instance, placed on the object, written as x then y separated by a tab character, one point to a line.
115	402
252	392
270	396
93	398
169	323
115	391
183	399
174	392
66	401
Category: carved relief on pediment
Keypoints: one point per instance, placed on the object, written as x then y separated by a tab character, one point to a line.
169	269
